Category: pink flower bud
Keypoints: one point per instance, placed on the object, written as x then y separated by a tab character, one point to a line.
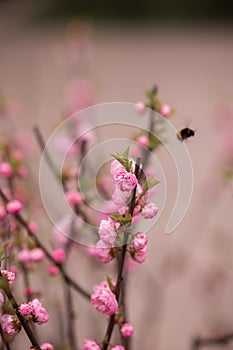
37	255
25	309
32	226
53	270
143	140
59	255
103	252
5	169
104	300
2	212
140	107
2	298
24	255
165	110
10	324
127	330
149	211
139	241
90	344
47	346
14	207
118	347
74	198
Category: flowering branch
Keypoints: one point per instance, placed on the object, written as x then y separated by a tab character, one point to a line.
66	277
21	318
119	282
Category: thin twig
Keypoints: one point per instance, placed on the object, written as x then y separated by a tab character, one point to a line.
71	319
119	281
199	342
66	277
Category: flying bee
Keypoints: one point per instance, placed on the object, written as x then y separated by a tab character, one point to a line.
185	133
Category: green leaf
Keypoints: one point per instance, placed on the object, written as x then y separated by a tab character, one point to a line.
123	158
150	183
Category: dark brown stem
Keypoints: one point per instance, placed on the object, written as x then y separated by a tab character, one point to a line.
66	277
199	342
70	319
21	319
119	281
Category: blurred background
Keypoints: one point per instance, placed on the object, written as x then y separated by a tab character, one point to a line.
60	56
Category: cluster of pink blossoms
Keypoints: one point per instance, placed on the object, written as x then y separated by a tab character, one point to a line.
34	310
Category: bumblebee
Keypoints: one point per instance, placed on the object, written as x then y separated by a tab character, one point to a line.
185	134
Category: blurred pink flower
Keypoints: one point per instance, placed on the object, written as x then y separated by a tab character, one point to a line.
59	255
118	347
9	276
47	346
149	211
104	300
127	330
90	344
10	324
143	140
37	255
107	231
2	212
140	107
6	169
53	270
165	110
74	198
103	252
14	207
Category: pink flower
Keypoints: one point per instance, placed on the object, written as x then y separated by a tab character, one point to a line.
9	276
53	270
118	347
5	169
125	180
107	231
165	110
127	330
91	251
139	241
2	212
149	211
32	226
140	255
14	207
143	140
2	299
37	255
25	309
74	198
24	255
39	313
10	324
103	252
59	255
104	300
140	107
47	346
90	344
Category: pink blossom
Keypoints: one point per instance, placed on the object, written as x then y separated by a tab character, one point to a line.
53	270
5	169
2	212
143	140
37	255
39	313
165	110
74	198
104	300
118	347
59	255
127	330
107	231
140	255
14	207
139	241
2	299
9	276
24	255
10	325
90	344
25	309
103	252
140	107
22	171
125	180
91	251
149	211
32	226
47	346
